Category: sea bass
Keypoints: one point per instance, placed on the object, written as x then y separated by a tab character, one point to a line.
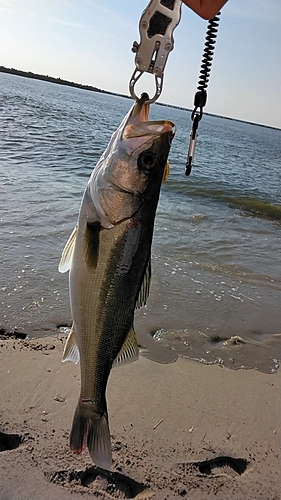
108	256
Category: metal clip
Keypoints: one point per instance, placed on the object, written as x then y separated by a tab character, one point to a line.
196	117
156	27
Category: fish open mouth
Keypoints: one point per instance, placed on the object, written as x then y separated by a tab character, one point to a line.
138	124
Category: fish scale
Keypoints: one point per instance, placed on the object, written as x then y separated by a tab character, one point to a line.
95	324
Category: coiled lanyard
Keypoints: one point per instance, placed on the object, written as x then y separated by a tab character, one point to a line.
156	27
200	97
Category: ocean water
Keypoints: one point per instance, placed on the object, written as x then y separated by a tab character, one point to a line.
216	284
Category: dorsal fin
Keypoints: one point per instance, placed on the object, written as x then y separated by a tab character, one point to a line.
129	351
71	351
67	253
144	289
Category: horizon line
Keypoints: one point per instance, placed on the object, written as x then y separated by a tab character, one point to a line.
60	81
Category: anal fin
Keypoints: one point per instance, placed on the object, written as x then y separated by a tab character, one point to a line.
129	351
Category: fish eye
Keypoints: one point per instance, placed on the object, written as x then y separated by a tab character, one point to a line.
147	160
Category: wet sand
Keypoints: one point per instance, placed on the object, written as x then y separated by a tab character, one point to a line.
180	430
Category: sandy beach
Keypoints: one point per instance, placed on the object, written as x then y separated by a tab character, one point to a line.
179	430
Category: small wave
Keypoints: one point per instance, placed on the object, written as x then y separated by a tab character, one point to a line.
247	203
233	352
257	207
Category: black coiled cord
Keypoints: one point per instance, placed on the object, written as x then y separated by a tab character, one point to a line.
207	57
200	97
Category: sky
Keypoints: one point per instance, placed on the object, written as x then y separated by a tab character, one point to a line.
89	42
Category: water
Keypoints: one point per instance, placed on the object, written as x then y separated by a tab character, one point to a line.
216	287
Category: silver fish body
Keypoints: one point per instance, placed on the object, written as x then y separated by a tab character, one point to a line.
108	256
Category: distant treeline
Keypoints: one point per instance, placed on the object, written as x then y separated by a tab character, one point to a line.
47	78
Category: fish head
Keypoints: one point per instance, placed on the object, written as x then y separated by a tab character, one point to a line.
132	167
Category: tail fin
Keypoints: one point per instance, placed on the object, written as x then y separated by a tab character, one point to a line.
91	429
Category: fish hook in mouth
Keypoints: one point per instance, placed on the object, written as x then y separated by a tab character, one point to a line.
140	111
142	99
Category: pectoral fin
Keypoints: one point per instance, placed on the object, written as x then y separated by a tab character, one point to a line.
129	351
67	253
166	171
144	289
71	351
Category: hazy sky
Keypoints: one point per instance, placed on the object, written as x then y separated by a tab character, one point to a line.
89	41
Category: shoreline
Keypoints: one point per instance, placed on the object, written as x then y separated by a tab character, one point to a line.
60	81
179	430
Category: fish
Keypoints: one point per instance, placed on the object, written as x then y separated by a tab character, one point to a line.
108	256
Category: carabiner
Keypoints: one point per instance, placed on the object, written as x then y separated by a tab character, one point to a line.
158	84
156	27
